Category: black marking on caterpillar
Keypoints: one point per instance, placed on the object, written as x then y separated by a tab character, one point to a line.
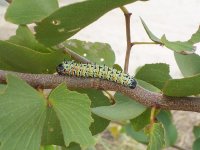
70	68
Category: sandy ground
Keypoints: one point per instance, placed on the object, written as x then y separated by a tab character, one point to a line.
178	19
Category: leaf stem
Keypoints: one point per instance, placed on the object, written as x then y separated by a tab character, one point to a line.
125	11
111	97
137	43
152	116
74	55
129	45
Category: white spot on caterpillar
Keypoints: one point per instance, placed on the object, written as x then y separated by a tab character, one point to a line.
74	30
61	30
84	54
56	22
102	59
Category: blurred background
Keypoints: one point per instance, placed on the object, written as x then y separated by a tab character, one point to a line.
177	19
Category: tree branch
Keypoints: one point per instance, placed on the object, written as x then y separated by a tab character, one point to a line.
9	1
128	37
139	94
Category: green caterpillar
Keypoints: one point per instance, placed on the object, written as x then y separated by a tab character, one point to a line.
70	68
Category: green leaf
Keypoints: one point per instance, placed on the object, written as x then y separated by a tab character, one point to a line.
52	132
139	136
73	146
117	67
141	121
149	33
24	37
98	99
179	47
100	53
2	88
196	144
170	129
70	19
73	111
49	147
156	137
148	86
26	12
22	116
124	109
18	58
196	131
155	74
188	64
195	37
182	87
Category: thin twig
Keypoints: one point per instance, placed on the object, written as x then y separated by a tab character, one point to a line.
128	37
74	55
145	97
111	97
125	11
9	1
137	43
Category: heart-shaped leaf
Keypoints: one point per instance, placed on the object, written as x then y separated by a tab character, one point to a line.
73	111
22	116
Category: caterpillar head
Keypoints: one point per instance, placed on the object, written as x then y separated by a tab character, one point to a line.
60	69
133	83
63	67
